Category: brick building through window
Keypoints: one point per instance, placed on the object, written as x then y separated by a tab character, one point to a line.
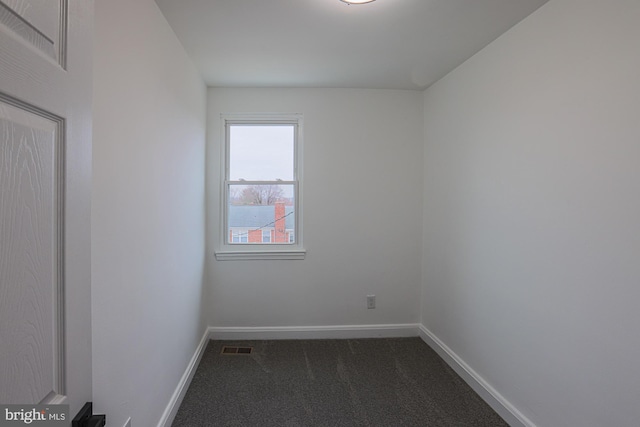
270	224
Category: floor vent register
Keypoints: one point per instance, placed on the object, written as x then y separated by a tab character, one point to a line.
236	351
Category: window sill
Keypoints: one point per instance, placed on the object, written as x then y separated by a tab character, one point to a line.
298	254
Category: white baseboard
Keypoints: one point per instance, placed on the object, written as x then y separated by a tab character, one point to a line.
315	332
502	406
176	399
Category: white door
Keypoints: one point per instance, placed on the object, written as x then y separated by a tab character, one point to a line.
45	200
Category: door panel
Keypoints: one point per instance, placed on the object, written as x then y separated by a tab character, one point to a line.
40	23
31	255
45	201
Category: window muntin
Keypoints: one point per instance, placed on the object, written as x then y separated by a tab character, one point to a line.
261	183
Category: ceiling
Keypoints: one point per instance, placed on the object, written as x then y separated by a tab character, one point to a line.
387	44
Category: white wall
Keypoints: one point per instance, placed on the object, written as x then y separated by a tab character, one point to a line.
362	212
148	212
532	231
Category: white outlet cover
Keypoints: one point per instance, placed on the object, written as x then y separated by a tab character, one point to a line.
371	301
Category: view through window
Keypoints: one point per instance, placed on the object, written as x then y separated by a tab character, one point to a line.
261	182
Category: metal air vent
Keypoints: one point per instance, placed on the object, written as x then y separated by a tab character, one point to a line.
235	351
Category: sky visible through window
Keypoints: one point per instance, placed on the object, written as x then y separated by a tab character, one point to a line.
261	152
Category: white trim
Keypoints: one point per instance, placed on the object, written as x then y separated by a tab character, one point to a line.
260	255
315	332
489	394
176	398
261	117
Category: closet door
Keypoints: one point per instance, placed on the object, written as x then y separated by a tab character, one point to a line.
45	201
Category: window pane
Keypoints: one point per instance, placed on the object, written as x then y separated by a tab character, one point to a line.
261	152
258	211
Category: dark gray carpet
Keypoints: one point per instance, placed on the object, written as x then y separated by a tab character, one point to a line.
365	382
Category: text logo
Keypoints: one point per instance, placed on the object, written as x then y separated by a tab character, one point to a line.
34	415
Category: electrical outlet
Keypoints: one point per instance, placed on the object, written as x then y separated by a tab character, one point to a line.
371	301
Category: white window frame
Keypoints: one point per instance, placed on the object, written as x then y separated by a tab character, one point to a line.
252	251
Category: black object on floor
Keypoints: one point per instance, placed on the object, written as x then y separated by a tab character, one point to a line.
363	382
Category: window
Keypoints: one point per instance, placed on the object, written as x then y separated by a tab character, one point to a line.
239	236
261	187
